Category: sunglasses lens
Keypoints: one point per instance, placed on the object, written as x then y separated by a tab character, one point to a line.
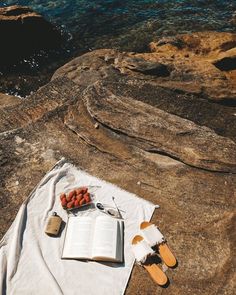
100	206
112	212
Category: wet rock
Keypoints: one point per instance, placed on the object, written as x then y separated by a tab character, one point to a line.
24	32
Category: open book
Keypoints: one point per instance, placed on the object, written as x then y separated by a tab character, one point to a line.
98	239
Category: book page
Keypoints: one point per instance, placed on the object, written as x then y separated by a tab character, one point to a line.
78	239
105	238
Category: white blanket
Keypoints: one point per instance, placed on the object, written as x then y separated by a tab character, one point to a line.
30	261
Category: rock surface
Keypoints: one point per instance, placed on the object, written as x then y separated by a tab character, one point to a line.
203	64
8	100
166	140
24	32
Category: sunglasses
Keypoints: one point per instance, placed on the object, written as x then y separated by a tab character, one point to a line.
108	211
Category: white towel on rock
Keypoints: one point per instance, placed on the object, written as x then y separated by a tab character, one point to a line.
30	261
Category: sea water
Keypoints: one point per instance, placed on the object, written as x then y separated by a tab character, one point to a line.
127	25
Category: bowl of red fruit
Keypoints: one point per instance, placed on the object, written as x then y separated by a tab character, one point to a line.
76	198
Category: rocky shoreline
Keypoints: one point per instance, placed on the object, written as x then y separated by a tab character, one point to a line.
29	41
164	133
24	32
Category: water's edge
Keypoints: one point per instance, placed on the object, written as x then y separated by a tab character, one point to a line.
125	25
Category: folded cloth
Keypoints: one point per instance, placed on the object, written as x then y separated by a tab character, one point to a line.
30	261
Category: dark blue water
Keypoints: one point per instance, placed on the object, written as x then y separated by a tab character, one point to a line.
123	24
187	15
